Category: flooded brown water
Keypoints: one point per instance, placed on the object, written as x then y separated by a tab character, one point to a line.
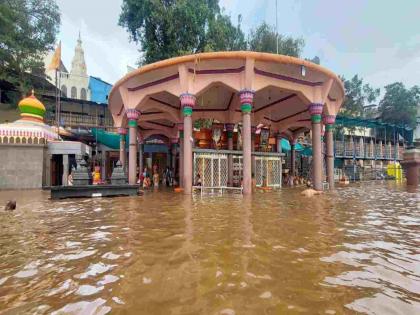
350	251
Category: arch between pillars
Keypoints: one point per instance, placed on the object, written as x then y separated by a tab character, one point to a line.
205	85
149	103
306	92
149	133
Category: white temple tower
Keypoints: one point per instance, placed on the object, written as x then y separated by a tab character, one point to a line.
76	83
78	64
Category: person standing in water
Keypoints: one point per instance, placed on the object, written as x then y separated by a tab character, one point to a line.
198	180
156	179
167	176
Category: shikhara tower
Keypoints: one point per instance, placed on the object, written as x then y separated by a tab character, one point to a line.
78	64
73	84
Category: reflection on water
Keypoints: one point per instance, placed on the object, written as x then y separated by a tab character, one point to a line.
353	250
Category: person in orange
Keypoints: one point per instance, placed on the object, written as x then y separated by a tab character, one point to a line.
146	181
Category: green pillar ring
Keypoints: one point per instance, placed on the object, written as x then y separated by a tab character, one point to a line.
187	111
132	123
316	118
329	127
246	108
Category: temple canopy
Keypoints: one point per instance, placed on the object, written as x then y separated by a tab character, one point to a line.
284	87
248	95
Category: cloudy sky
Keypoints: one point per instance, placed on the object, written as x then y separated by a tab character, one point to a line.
377	39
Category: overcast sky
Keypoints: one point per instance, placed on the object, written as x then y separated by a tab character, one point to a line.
377	39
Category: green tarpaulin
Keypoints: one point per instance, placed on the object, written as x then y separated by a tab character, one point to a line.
110	139
285	146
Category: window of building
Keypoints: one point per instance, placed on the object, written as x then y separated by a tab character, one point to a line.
83	94
64	90
73	92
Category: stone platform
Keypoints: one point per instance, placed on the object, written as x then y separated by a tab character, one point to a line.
91	191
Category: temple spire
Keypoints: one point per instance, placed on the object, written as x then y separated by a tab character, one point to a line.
78	65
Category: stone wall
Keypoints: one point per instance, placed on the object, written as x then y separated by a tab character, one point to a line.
23	166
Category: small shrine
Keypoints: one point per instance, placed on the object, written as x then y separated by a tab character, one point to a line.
30	128
35	155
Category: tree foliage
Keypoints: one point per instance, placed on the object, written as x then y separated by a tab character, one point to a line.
169	28
264	39
222	35
28	29
358	95
399	104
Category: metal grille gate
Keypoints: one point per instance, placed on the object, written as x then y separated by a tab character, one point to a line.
268	171
212	167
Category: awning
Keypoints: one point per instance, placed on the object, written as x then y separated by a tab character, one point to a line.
285	146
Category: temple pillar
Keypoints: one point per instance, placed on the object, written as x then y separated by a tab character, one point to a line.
229	130
380	154
329	121
246	99
103	164
174	142
141	157
132	116
372	152
361	147
181	155
65	177
315	109
411	164
187	104
389	155
279	149
122	132
253	130
292	157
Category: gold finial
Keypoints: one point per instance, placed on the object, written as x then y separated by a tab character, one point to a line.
33	92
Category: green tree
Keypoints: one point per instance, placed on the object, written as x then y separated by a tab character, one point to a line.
358	95
28	29
264	39
169	28
222	35
399	104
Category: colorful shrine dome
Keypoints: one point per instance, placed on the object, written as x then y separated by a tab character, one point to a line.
30	129
31	108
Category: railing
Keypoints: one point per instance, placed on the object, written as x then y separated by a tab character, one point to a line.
348	149
79	120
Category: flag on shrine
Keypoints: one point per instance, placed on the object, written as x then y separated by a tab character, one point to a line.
56	59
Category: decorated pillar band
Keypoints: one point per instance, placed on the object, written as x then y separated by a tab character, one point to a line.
246	97
315	109
132	116
329	121
122	131
229	130
187	103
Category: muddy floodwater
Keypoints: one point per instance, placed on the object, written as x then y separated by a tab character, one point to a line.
355	250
